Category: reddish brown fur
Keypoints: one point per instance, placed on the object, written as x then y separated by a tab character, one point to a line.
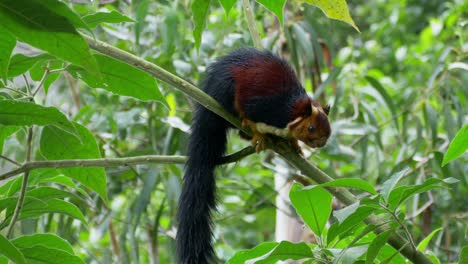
261	77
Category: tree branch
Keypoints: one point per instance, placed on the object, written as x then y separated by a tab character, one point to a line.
111	162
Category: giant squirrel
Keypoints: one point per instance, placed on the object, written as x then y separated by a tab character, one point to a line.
265	93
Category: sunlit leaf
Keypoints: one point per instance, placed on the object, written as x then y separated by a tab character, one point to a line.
335	9
458	146
423	244
46	240
377	244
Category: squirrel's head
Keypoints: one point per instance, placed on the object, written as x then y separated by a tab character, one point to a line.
310	123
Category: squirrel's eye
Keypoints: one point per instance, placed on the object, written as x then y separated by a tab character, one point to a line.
311	129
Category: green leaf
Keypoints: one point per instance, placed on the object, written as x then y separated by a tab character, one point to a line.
463	255
343	213
36	209
19	113
274	6
46	193
351	254
388	100
46	25
20	63
227	4
335	9
95	19
313	204
7	44
200	10
352	183
400	194
389	184
40	254
349	219
377	244
242	256
423	244
46	240
57	144
5	132
10	251
458	145
286	250
121	78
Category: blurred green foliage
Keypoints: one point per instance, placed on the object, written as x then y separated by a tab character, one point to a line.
398	94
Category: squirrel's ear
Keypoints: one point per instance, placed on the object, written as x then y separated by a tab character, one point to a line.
326	109
307	111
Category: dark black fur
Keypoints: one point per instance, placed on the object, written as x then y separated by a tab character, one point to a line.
206	147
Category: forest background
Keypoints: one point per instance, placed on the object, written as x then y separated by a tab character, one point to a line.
92	139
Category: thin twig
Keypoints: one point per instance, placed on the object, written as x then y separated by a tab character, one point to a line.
10	160
24	185
110	162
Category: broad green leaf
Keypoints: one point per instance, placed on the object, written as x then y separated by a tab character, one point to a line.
335	9
5	132
343	213
242	256
20	63
10	251
121	78
61	9
376	245
313	204
200	10
7	44
388	100
46	240
463	258
390	184
352	183
350	255
458	145
274	6
286	250
46	193
349	221
40	254
38	24
33	210
227	4
401	193
95	19
423	244
19	113
57	144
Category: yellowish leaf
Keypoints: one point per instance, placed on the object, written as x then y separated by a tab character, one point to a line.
335	9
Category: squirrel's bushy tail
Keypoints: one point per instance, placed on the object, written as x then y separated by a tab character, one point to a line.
198	199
